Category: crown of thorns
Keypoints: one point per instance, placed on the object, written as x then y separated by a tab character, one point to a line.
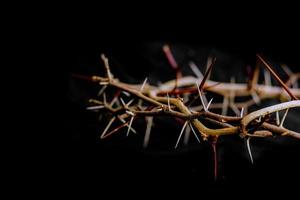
184	98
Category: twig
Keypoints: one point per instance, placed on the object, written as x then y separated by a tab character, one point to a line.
277	77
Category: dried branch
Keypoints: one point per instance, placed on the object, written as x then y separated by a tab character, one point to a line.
166	104
151	101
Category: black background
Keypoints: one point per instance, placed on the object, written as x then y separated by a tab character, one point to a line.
64	157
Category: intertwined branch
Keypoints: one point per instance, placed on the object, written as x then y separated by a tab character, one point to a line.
184	98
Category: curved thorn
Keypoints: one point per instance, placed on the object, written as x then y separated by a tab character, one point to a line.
249	149
126	93
283	118
259	119
144	83
207	107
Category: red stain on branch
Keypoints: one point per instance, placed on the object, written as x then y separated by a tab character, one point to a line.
173	63
206	74
215	157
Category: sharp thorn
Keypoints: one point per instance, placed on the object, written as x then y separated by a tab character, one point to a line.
123	103
95	107
183	127
277	118
283	118
209	104
242	112
107	127
129	127
101	90
144	83
169	107
148	131
200	95
249	149
194	133
195	70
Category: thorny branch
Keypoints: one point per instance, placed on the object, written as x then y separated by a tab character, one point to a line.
183	98
176	107
152	94
176	99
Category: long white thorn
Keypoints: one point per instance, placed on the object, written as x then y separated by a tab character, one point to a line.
101	90
123	103
267	77
283	118
148	131
130	102
169	107
196	70
207	107
180	134
95	107
200	95
277	118
107	126
103	83
126	93
104	99
144	83
242	112
129	113
204	99
225	105
249	149
123	121
129	127
187	134
194	133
